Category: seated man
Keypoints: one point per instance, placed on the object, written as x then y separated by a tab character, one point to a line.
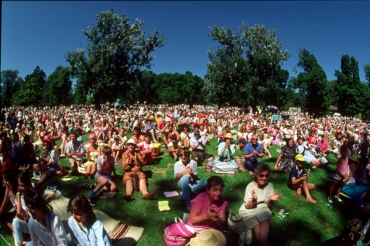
104	167
298	179
75	151
252	151
198	145
186	173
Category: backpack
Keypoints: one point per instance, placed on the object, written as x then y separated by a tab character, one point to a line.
223	167
178	233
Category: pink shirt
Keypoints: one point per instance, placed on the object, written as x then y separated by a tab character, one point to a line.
323	145
202	202
342	165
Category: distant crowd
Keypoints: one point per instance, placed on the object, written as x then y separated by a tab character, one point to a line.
186	133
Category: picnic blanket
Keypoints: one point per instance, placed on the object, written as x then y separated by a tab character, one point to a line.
120	233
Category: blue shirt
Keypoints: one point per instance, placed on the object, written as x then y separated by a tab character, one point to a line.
248	149
295	172
94	236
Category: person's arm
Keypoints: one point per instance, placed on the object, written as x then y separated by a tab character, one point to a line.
297	180
278	159
187	170
59	232
5	202
98	231
210	216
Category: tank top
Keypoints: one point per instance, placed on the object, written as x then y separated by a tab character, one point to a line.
342	165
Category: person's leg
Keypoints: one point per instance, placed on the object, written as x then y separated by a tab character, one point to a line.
112	186
266	150
19	227
101	182
44	178
354	193
142	186
129	187
306	190
250	165
197	185
185	188
263	232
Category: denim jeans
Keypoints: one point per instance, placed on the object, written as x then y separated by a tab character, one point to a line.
20	227
187	186
354	192
252	164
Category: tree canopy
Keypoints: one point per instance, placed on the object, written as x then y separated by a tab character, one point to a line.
116	51
245	67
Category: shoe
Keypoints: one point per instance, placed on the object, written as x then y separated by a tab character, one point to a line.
92	201
338	198
102	195
128	198
330	200
147	197
270	156
242	238
248	240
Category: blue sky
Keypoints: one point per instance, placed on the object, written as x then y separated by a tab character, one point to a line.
40	33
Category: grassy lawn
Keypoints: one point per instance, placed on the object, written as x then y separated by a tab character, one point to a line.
307	224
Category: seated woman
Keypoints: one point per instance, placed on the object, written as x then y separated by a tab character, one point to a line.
256	208
117	148
48	163
105	167
208	208
84	225
298	179
20	222
277	135
308	154
185	137
10	182
174	146
263	142
92	153
146	148
45	227
285	161
132	163
242	136
226	151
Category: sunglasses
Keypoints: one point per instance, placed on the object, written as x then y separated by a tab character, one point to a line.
181	155
253	138
264	175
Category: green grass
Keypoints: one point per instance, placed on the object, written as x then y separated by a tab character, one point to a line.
307	224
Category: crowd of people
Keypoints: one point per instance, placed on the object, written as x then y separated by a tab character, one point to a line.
186	133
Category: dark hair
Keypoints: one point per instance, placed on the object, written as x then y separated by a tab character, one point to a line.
25	179
214	181
137	128
288	140
35	201
106	150
11	177
260	169
81	204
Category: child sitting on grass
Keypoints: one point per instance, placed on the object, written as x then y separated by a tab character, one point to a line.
104	167
340	174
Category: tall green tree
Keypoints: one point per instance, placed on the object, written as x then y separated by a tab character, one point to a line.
80	93
245	68
58	87
9	84
116	51
367	73
32	90
312	83
349	89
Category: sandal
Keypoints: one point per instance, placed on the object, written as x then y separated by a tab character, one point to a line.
128	197
148	196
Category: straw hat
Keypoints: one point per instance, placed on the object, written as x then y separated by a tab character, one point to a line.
208	238
228	135
355	158
131	141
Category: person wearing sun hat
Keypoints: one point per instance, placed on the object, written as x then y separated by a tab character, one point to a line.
226	151
208	238
350	188
298	179
132	163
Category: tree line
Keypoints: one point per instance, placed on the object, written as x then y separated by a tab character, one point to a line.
244	69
